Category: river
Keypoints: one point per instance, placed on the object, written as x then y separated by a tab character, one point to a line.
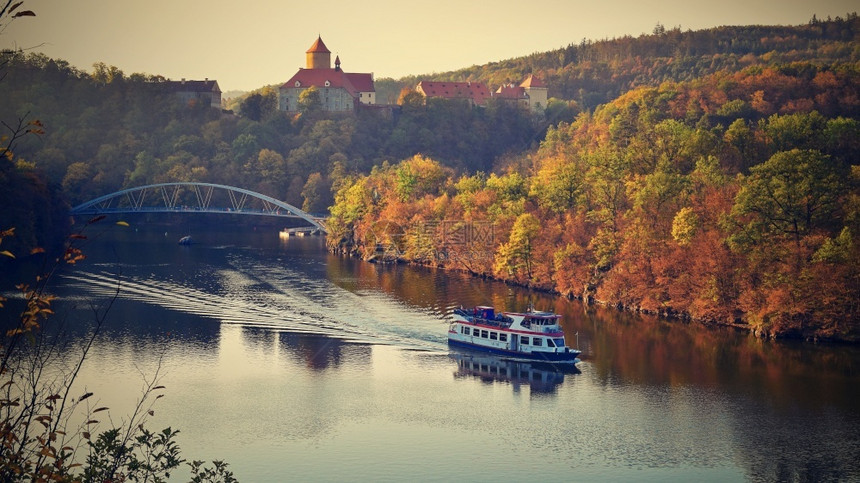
289	362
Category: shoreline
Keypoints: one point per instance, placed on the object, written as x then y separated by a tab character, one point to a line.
669	314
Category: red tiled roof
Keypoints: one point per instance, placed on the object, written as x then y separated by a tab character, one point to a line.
318	77
318	47
532	81
362	82
510	92
476	91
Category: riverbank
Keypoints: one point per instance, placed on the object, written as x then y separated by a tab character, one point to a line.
588	297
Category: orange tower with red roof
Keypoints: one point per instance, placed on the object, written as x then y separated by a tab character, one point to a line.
339	91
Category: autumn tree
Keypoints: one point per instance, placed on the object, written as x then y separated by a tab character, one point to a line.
514	258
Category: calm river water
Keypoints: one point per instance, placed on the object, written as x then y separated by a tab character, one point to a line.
294	364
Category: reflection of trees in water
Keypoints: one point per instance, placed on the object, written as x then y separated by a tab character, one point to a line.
786	402
649	350
320	353
259	339
792	445
429	287
142	329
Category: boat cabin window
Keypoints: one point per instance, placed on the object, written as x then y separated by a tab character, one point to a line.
559	342
524	340
494	335
537	341
465	330
483	334
503	337
541	321
550	343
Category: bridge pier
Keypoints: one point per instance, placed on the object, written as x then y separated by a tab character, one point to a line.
300	231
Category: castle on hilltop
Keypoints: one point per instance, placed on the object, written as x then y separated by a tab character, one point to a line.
531	93
339	91
345	92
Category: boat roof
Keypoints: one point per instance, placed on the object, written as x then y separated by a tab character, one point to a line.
544	315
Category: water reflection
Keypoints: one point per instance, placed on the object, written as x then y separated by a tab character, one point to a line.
626	348
321	353
643	350
285	349
540	378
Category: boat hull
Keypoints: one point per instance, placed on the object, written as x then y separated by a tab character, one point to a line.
569	356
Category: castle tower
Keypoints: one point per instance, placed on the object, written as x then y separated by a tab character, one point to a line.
537	91
318	56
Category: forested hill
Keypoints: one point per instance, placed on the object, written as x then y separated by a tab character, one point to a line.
595	72
731	195
708	174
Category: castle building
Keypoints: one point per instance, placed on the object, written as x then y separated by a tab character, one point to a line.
531	93
205	91
474	92
339	91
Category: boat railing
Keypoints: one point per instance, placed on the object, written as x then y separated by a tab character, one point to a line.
502	324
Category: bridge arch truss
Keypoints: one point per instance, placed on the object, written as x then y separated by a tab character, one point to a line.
190	197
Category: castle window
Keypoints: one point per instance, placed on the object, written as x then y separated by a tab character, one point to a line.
327	83
298	83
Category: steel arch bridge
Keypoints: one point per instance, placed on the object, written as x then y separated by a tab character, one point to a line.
191	197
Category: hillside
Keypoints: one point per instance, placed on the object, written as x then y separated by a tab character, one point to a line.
596	72
103	130
731	199
724	189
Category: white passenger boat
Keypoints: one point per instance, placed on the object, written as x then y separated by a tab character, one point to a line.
530	335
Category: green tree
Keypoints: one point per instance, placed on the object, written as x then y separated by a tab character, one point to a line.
316	194
557	186
410	99
310	100
259	105
514	258
245	146
791	194
419	176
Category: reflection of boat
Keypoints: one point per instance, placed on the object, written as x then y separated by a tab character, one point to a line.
529	335
186	240
540	376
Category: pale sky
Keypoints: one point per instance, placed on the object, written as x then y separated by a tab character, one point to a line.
246	45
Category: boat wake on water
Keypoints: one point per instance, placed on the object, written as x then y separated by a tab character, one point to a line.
277	299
